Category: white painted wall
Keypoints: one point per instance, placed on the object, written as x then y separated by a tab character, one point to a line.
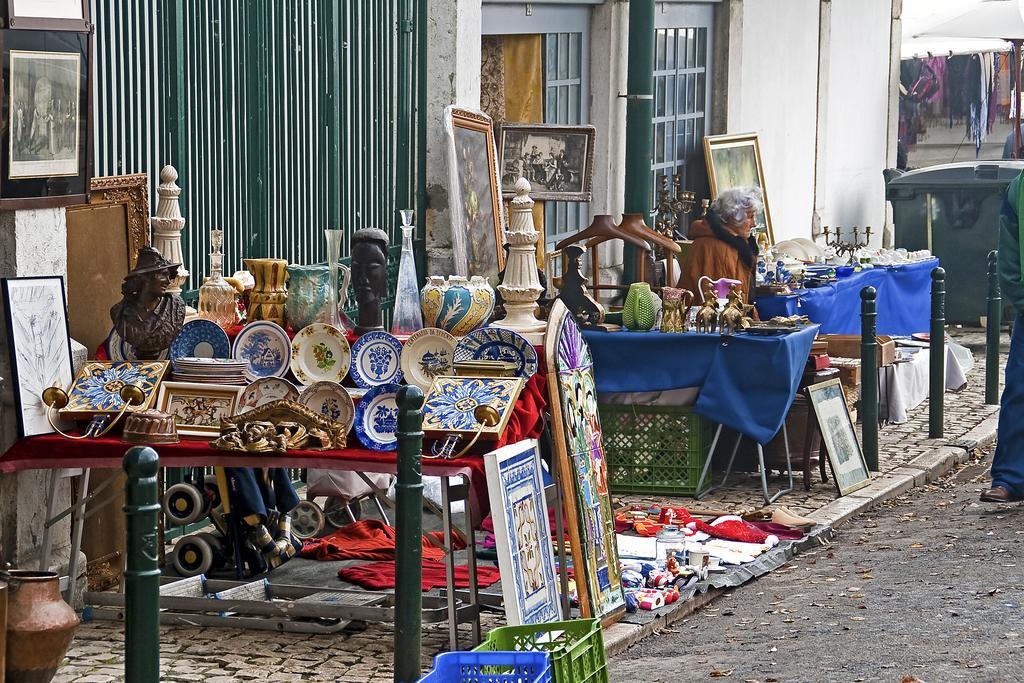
858	116
777	98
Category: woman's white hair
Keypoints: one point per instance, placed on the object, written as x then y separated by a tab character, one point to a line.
732	206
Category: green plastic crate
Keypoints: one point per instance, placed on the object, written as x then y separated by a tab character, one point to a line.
654	449
576	647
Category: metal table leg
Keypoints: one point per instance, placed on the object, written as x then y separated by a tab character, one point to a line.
449	565
764	476
699	493
44	553
78	520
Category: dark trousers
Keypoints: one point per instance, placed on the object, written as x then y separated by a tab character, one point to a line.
1008	463
252	494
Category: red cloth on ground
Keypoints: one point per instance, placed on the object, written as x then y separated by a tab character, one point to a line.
779	531
368	539
730	530
381	575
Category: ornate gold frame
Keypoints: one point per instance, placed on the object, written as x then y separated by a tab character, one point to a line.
289	411
133	192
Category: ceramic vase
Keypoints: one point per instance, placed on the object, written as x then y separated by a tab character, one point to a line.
310	293
268	296
40	625
457	305
639	312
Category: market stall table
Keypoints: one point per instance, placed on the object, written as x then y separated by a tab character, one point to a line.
904	300
747	382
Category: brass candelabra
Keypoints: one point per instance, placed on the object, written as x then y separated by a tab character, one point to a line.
835	240
672	202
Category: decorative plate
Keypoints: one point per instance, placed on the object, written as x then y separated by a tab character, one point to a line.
451	402
265	346
119	350
320	352
427	355
375	360
330	400
496	343
377	418
201	339
98	385
264	391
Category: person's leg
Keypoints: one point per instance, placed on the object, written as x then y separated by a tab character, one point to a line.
1008	463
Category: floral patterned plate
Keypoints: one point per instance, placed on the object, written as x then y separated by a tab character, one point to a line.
496	343
377	418
375	360
320	353
265	346
330	400
264	391
427	354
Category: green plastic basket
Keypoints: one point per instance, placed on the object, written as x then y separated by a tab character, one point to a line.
576	647
654	449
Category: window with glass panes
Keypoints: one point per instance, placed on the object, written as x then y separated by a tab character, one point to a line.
564	103
680	106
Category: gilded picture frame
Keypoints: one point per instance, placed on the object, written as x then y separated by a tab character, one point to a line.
735	161
198	408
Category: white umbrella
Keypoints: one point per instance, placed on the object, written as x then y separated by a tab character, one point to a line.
989	19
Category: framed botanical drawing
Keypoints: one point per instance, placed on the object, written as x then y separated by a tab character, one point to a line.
557	160
40	346
46	152
838	435
582	468
735	161
59	15
478	226
197	409
117	216
515	484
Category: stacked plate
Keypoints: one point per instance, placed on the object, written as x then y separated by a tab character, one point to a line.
210	370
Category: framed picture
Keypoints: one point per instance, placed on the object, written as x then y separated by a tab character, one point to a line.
197	409
40	346
581	467
478	226
451	401
117	216
97	387
735	161
557	160
838	435
57	15
46	153
515	485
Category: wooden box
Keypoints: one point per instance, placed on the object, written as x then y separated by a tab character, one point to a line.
848	346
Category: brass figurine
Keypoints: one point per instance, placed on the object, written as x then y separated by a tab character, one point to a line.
734	317
148	317
707	314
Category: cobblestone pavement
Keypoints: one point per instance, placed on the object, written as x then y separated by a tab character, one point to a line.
925	587
218	655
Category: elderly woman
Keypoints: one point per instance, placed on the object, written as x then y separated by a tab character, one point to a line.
722	243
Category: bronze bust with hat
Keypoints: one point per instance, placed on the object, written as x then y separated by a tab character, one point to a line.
147	317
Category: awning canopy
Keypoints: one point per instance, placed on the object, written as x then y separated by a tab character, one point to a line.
924	34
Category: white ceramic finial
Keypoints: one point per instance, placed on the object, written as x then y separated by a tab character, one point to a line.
520	287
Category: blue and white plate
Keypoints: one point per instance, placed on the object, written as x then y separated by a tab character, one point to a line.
376	418
201	339
496	343
376	360
265	346
118	349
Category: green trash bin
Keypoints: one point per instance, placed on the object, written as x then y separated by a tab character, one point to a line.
953	211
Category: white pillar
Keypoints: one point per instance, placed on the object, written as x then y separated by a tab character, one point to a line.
453	77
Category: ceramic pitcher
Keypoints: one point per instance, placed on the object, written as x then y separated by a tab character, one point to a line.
268	296
720	286
309	294
639	312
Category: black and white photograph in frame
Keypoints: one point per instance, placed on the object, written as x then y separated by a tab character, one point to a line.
839	436
39	343
44	114
557	160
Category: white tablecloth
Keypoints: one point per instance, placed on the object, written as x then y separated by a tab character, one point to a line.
904	386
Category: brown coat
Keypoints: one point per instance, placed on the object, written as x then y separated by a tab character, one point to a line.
710	256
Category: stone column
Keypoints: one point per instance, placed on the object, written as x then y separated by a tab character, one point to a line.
32	242
453	77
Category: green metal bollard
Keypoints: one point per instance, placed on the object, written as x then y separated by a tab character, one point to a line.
937	337
869	376
409	549
142	573
992	324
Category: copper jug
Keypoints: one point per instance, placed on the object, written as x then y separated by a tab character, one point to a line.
40	625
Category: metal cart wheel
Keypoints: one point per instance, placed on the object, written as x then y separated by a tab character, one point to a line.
212	491
192	555
307	519
183	504
216	543
339	515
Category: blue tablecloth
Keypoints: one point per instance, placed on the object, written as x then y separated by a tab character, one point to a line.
904	301
747	382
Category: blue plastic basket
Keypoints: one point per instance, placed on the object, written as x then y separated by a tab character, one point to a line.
490	667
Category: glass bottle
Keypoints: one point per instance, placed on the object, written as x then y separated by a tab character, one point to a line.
408	314
217	295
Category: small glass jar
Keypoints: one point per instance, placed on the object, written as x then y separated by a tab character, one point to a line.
217	295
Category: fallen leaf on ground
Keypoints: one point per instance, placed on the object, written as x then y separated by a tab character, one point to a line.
721	673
